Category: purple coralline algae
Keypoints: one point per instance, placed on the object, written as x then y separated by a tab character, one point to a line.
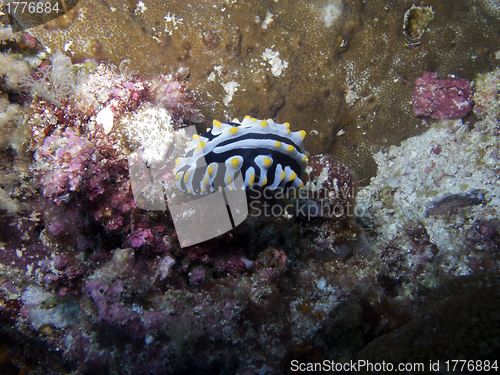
449	98
62	163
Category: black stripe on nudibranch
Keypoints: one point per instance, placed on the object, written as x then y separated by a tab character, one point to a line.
267	154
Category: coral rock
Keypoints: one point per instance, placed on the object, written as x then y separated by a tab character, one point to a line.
62	163
458	320
448	98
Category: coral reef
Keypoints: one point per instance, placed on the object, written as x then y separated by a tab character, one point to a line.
92	281
448	98
457	320
62	163
427	196
327	207
12	134
487	101
107	283
10	124
55	82
335	66
11	71
492	6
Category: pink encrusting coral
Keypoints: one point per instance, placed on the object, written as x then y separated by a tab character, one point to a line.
62	163
449	98
81	148
170	92
108	91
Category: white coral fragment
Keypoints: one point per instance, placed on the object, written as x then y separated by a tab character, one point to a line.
277	65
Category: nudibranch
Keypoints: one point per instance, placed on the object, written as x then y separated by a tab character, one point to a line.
268	155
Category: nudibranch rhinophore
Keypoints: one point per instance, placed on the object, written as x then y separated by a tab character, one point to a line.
267	154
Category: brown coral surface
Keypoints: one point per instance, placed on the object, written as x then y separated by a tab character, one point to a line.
324	66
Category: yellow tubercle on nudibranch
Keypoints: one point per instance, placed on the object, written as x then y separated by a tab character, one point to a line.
199	147
235	162
266	154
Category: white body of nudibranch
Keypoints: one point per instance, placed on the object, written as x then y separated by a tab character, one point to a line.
267	154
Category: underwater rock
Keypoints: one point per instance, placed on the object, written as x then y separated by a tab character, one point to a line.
430	224
274	288
448	98
487	100
331	186
484	237
459	319
62	164
270	264
326	206
335	50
